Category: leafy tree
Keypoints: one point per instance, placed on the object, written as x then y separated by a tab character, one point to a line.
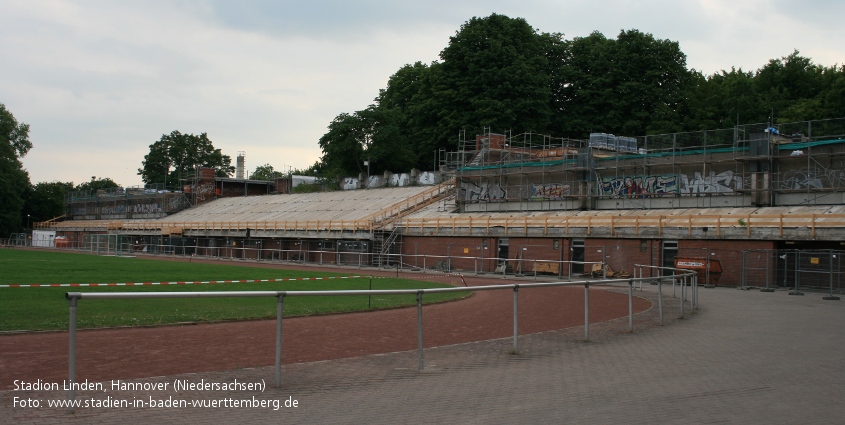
788	89
14	180
96	184
499	73
632	85
372	134
47	200
265	172
494	73
177	156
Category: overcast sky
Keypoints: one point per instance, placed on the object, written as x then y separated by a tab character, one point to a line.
99	81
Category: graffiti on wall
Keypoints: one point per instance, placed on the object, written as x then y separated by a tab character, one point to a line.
484	191
150	208
426	178
146	208
816	178
554	191
205	190
375	181
723	183
399	180
639	186
113	209
349	183
177	203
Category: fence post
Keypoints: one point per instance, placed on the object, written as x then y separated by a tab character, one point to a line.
421	365
683	284
280	310
586	311
71	370
830	258
630	305
796	291
516	319
660	298
695	293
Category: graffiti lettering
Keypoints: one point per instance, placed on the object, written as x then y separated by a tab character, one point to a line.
205	190
550	191
639	187
483	192
426	178
713	184
399	180
813	179
350	183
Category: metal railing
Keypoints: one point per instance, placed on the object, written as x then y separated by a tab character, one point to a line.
121	245
74	297
458	226
683	277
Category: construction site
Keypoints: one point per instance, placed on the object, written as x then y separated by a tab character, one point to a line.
751	206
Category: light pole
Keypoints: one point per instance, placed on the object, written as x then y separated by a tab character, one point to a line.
27	221
367	163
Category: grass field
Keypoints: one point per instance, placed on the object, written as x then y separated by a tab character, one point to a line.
45	308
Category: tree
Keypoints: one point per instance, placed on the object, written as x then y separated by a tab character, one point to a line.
176	156
372	134
96	184
494	74
47	200
632	85
14	180
265	172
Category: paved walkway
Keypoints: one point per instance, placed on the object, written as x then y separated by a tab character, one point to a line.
745	357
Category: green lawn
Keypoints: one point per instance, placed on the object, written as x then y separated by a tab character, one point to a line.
43	308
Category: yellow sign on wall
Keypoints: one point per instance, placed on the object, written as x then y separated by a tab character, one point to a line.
814	260
466	250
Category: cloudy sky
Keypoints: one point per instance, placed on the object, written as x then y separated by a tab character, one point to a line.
99	81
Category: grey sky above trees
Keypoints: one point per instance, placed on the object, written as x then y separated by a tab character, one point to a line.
100	81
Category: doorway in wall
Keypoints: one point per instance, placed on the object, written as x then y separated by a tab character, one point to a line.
670	251
577	256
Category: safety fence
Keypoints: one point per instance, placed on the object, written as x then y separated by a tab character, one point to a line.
345	253
16	239
684	277
807	270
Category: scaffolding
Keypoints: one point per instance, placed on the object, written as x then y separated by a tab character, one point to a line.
130	203
766	164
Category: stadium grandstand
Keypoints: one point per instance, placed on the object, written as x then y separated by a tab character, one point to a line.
752	205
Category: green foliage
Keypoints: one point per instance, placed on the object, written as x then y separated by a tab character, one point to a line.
46	200
789	89
494	74
46	307
265	172
14	180
500	74
96	184
632	85
177	156
373	134
307	188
